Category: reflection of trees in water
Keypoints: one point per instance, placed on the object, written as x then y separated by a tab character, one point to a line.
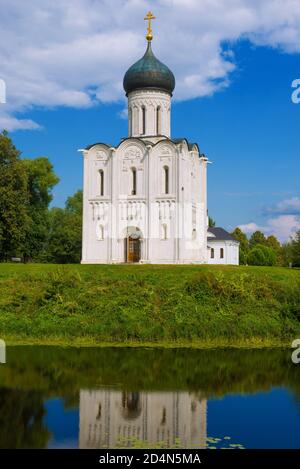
21	420
296	398
59	371
131	405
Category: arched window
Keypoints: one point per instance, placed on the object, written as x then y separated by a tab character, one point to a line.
101	185
194	234
135	120
158	120
164	231
166	177
100	232
130	122
133	186
143	120
212	253
221	253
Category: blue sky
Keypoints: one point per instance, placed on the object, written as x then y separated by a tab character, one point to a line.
233	98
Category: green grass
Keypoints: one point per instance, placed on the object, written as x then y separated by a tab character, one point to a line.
149	305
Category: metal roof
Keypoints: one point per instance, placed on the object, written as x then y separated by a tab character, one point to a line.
149	72
219	235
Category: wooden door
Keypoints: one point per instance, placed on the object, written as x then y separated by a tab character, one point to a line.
133	250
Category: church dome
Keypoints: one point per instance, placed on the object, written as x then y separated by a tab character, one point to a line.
149	72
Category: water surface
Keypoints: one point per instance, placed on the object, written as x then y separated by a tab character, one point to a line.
52	397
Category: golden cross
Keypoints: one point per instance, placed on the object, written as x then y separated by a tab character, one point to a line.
148	18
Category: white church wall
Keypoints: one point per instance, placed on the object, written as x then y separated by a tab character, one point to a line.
98	160
150	210
150	100
128	156
192	198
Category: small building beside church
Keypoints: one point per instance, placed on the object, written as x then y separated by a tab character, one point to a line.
145	200
222	247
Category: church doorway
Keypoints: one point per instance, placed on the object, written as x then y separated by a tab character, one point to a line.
133	249
133	246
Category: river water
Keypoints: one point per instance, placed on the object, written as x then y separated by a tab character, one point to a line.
54	397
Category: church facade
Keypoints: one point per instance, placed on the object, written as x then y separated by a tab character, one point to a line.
145	200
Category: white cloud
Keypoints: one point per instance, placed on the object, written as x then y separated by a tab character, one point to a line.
11	122
283	221
74	53
286	207
283	227
124	113
250	228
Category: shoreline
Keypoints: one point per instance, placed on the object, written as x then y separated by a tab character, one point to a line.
254	343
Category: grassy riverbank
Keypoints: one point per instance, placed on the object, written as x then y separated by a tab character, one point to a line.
199	306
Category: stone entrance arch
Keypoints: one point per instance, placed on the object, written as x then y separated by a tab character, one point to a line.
132	244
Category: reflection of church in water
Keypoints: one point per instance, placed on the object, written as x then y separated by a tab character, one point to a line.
108	417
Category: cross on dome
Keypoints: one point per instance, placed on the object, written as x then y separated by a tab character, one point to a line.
149	17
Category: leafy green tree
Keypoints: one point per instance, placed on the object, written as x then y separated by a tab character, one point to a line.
296	250
242	238
273	243
64	242
211	222
261	255
256	256
74	204
243	257
287	253
244	244
14	218
271	256
257	238
41	180
25	194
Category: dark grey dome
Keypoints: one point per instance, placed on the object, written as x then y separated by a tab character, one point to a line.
149	72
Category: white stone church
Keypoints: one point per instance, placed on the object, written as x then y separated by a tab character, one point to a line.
145	200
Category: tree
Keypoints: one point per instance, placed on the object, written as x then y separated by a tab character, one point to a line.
287	253
273	243
244	244
296	250
40	181
74	204
14	218
257	238
211	222
262	255
256	257
25	194
242	238
64	242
